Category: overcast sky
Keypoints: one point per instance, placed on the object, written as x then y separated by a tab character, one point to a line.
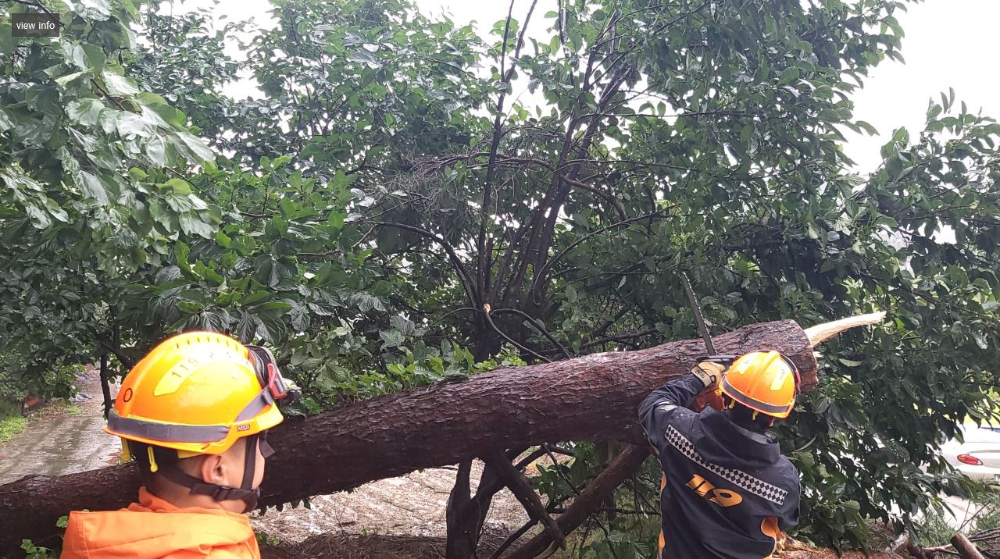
948	43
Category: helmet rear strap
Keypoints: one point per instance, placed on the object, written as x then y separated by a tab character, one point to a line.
166	461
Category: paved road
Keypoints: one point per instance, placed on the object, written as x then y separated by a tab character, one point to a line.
57	442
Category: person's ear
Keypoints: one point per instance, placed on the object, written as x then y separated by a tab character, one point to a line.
213	469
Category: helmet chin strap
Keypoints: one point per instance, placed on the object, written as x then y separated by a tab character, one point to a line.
246	492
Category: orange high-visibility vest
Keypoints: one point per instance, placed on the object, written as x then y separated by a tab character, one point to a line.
155	529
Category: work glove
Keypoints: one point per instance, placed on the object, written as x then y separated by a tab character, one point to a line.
709	373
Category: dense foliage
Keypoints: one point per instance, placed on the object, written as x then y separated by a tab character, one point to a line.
393	209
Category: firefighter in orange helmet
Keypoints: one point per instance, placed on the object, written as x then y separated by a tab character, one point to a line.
726	489
194	415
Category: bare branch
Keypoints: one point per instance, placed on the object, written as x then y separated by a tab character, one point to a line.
463	274
521	489
489	320
117	352
485	259
589	500
606	195
539	325
543	272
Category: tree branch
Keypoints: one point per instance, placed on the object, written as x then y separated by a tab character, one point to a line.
117	352
606	195
107	95
543	272
538	326
610	90
463	274
589	500
521	489
34	5
485	260
489	320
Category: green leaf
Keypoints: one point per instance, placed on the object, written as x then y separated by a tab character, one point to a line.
64	81
555	43
85	111
118	85
571	295
195	148
788	75
391	338
156	149
8	42
179	186
6	120
181	254
95	57
99	10
92	187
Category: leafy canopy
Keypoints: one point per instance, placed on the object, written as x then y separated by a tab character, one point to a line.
392	209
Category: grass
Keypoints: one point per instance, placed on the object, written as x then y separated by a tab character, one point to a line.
12	422
11	425
932	529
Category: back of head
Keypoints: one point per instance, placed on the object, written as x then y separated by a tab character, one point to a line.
196	394
758	388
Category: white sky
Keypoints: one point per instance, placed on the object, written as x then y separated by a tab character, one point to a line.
948	43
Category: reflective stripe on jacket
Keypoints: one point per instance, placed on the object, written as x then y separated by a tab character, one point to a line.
726	491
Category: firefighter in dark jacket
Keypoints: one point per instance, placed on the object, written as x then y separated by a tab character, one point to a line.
726	489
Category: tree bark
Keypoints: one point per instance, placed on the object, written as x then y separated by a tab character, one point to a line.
965	548
595	396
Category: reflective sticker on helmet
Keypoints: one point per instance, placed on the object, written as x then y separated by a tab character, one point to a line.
180	371
175	377
779	379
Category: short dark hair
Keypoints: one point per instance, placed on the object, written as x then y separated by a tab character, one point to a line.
746	417
164	457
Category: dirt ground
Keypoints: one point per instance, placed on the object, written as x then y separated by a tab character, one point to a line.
373	546
398	510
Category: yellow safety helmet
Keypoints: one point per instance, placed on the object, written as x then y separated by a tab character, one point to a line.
764	381
198	393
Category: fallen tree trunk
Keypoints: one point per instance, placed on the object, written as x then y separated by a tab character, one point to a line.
576	399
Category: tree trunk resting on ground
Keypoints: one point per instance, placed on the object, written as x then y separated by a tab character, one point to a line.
595	396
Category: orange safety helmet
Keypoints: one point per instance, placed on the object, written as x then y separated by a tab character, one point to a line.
198	393
764	381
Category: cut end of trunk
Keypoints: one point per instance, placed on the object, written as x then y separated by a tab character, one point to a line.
823	332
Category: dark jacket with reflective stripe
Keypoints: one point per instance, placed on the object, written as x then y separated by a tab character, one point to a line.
726	489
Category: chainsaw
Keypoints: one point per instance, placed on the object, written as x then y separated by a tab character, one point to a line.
712	396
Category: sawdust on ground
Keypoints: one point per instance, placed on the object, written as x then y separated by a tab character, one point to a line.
391	512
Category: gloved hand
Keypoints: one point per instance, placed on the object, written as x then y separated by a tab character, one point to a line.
709	373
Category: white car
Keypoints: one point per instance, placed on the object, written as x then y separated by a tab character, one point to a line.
979	456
